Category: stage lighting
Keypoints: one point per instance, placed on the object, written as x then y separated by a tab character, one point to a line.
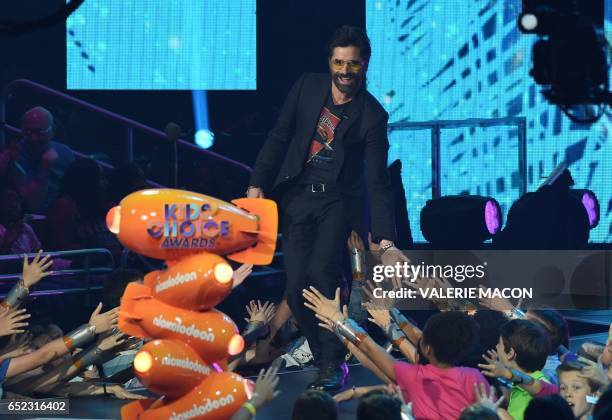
528	22
204	138
570	59
463	221
550	218
590	203
543	17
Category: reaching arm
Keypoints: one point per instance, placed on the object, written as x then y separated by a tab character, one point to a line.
409	351
413	332
328	312
32	273
494	368
488	399
357	392
388	322
98	323
99	353
380	357
85	389
45	354
265	390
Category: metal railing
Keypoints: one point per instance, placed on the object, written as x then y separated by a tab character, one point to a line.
104	264
129	124
436	127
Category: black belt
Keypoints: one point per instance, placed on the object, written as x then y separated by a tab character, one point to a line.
318	188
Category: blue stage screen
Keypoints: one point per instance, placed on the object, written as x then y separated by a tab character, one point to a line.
158	45
453	59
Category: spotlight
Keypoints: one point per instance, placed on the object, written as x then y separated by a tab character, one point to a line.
528	22
204	138
570	58
590	203
460	221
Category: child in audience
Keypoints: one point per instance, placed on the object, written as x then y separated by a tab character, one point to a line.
438	389
558	335
315	404
579	392
549	407
523	348
441	388
379	405
16	236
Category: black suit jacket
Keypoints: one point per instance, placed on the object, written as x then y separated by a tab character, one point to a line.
360	145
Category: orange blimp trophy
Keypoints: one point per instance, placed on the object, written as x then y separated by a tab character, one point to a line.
190	340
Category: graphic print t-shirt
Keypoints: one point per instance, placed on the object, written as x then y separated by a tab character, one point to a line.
319	168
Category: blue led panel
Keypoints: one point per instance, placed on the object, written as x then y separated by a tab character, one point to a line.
170	44
459	59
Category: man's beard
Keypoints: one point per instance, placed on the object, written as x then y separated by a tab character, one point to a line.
350	88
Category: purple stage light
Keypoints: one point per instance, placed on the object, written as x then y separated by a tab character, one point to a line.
591	205
456	221
492	217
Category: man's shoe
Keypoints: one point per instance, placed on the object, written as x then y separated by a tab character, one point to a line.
332	378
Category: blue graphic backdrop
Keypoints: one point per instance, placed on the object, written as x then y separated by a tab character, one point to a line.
453	59
172	44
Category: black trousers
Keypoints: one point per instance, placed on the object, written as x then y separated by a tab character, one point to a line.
315	232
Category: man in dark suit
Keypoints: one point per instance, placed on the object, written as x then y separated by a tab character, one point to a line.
329	143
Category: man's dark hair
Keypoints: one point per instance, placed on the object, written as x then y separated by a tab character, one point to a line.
115	284
555	325
378	405
478	412
530	342
314	404
346	36
452	336
549	407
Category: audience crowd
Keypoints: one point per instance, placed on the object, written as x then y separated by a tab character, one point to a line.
495	362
